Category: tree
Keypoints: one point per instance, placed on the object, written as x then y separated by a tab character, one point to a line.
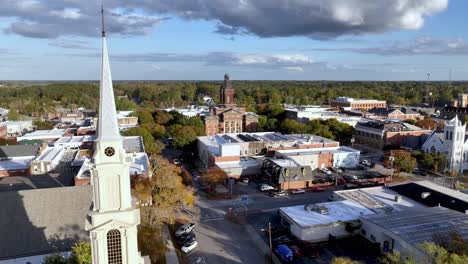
42	125
140	131
13	115
182	135
395	258
157	130
154	147
290	126
81	253
410	121
213	177
404	162
341	260
55	259
438	255
162	117
427	123
162	199
144	117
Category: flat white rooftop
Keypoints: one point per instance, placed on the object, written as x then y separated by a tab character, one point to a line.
315	151
339	211
378	199
43	134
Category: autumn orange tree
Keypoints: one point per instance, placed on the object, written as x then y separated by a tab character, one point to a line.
213	177
162	198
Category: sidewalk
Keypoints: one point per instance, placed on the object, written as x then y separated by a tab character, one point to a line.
171	255
257	239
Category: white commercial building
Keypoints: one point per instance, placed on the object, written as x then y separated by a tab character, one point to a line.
190	111
342	157
18	128
377	199
46	135
316	222
47	161
405	231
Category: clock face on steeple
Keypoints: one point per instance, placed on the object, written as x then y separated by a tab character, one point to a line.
109	151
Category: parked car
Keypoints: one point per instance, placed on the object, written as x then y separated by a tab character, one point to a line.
245	180
183	239
366	184
176	161
350	186
278	193
285	253
416	171
298	191
266	187
189	246
297	252
423	173
282	240
319	189
326	171
185	229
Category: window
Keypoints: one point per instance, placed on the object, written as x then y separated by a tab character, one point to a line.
114	247
372	237
363	232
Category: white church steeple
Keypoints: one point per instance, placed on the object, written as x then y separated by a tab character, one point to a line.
455	140
113	218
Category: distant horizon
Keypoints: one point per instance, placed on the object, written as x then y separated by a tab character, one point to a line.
239	80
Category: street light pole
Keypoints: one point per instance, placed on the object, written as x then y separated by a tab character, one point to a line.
271	246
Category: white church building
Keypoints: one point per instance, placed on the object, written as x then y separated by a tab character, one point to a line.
452	143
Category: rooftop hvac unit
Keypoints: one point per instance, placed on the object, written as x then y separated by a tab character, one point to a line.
315	208
424	195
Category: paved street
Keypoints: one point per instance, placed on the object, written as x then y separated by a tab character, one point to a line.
221	241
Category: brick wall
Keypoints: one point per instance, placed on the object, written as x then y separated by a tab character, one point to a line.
326	159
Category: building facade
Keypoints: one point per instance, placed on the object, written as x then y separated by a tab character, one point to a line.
380	134
227	117
363	104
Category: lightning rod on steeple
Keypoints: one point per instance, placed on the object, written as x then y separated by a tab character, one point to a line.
102	15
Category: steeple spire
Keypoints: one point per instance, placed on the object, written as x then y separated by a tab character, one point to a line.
102	15
108	128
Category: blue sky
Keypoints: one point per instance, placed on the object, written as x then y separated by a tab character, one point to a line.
250	39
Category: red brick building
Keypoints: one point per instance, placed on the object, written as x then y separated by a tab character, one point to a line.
227	117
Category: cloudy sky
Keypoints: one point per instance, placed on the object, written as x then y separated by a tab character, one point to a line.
250	39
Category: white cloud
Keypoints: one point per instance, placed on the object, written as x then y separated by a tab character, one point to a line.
67	13
294	69
264	18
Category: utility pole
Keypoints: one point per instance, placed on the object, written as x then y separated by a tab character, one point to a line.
271	246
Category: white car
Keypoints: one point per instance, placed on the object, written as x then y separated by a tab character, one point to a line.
185	229
266	187
298	191
365	162
189	246
326	171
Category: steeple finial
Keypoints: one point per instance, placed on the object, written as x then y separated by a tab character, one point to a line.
102	15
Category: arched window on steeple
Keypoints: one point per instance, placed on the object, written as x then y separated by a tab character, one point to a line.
114	247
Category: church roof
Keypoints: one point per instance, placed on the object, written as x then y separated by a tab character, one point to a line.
15	151
41	221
